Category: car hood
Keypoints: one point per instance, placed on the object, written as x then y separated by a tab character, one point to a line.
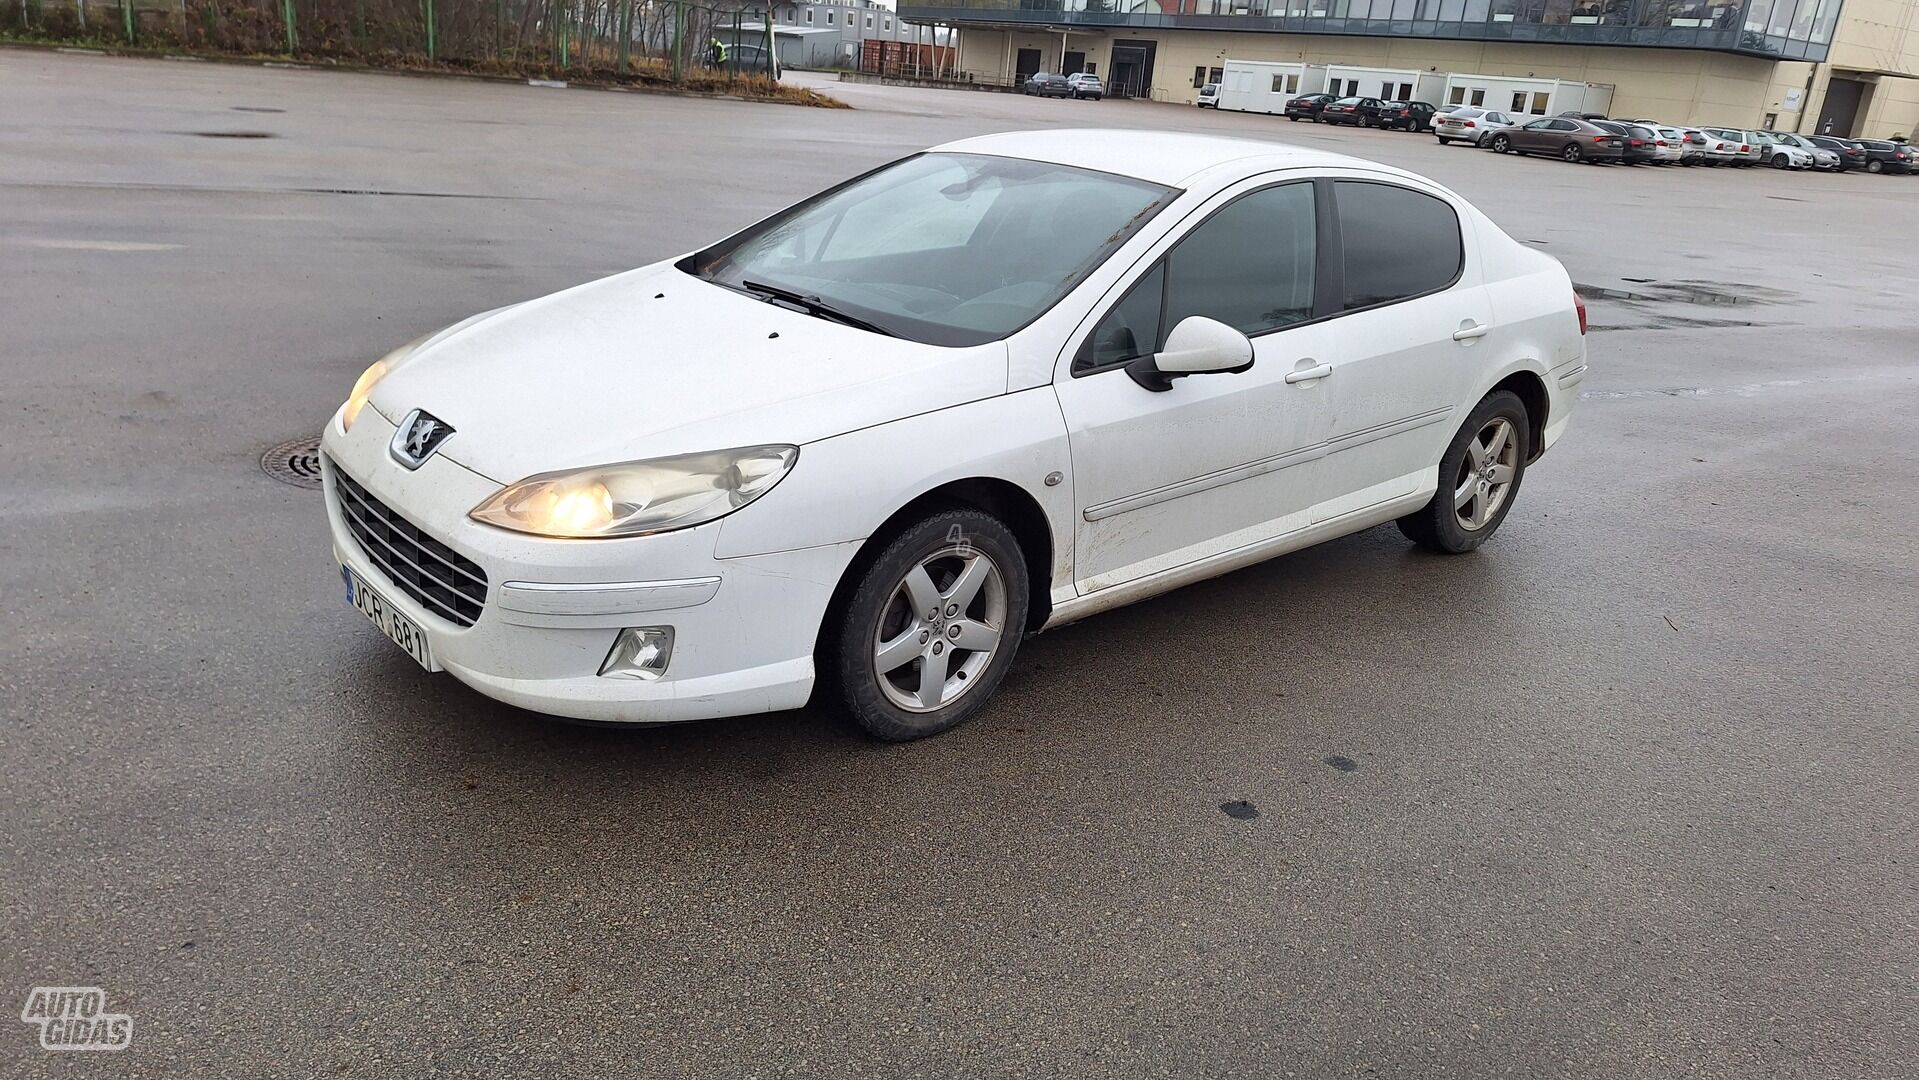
656	362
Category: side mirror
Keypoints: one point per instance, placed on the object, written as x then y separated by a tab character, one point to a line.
1197	346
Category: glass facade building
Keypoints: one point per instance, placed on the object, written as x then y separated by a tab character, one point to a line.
1775	29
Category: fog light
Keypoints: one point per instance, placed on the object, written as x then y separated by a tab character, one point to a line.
640	652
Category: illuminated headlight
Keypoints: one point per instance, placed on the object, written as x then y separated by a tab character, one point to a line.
363	387
638	497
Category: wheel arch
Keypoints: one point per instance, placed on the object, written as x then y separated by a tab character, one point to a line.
1526	385
994	495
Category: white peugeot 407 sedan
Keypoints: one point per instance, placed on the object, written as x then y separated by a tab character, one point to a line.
870	443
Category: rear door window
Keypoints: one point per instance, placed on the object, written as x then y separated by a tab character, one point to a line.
1397	243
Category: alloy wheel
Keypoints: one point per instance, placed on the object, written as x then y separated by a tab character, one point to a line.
940	629
1485	475
1571	153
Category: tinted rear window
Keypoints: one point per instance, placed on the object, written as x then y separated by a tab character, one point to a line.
1397	242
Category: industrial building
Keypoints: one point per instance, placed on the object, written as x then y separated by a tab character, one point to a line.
1847	67
822	34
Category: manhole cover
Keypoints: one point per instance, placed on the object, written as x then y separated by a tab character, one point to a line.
296	462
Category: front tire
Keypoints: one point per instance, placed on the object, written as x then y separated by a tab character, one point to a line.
931	628
1479	477
1501	144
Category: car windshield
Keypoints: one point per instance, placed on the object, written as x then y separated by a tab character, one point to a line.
945	249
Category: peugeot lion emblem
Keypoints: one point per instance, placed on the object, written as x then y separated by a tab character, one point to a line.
420	434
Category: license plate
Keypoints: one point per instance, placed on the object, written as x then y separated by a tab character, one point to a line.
403	631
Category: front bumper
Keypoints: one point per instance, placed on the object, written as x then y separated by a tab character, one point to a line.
744	628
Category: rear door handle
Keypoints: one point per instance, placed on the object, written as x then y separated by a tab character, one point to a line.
1470	331
1309	374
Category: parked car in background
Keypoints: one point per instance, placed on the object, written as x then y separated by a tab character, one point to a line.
1670	142
1637	142
1470	124
1351	110
1208	96
1716	148
1850	154
1778	154
1086	85
1307	106
1405	115
1575	114
1046	84
1743	152
1822	159
1884	156
1562	137
1692	146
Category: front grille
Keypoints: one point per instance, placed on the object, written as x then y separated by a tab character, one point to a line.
449	584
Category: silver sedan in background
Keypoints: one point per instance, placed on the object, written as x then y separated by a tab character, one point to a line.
1468	123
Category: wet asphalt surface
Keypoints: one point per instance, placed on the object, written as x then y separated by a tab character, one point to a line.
1629	793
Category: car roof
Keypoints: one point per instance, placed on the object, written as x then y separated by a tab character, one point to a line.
1162	157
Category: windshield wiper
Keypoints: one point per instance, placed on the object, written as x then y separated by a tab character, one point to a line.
813	305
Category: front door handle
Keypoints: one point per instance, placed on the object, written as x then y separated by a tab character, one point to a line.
1300	375
1469	330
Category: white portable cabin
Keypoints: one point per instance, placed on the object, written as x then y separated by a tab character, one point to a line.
1261	86
1522	96
1387	84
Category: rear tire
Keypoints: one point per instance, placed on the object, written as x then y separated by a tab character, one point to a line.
1444	141
1479	478
1875	166
963	556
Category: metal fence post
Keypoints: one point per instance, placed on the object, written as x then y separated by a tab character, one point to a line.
679	32
359	23
626	34
293	33
126	16
432	41
499	17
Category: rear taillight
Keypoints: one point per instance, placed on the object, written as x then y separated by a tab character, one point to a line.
1744	149
1468	123
1662	142
1579	305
